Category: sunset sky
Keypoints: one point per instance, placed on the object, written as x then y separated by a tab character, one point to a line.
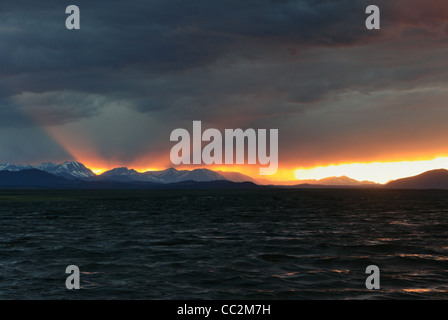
110	94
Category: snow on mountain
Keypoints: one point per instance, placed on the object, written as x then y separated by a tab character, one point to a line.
121	174
14	167
5	166
201	175
170	175
69	170
164	176
46	166
76	170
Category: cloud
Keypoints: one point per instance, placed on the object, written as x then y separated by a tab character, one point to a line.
29	145
429	13
58	107
137	70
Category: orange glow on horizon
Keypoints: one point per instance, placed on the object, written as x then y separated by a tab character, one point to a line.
149	169
98	171
380	172
83	150
251	171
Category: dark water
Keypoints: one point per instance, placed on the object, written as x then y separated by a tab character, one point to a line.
240	244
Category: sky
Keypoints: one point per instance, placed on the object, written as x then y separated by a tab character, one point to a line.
109	95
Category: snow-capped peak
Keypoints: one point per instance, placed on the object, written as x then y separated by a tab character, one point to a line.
71	169
123	171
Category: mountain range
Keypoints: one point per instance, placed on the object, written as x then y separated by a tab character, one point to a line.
76	170
330	181
35	178
170	175
76	175
69	170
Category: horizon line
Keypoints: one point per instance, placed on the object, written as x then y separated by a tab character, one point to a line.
263	181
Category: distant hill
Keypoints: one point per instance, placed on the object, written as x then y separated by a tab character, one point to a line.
123	178
342	181
434	179
35	178
74	170
70	170
32	178
339	181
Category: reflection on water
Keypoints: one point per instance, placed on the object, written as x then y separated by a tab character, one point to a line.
217	244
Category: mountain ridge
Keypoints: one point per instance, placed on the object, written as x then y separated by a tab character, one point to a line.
32	178
69	169
76	173
170	175
432	179
35	178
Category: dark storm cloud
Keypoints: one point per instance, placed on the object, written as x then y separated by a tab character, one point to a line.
164	36
29	145
10	116
49	108
168	36
59	107
228	62
124	48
